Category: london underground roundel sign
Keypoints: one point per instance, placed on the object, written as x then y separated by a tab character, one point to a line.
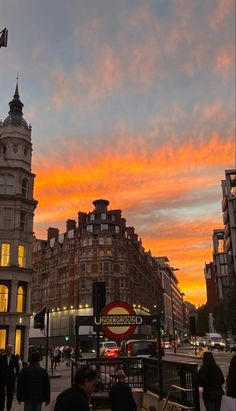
120	312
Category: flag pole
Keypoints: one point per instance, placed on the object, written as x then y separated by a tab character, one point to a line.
47	338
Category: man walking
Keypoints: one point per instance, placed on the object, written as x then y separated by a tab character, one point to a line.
77	397
9	371
120	396
33	387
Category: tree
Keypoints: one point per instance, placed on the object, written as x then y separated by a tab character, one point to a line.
225	313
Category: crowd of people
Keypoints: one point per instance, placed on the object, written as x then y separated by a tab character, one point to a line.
33	385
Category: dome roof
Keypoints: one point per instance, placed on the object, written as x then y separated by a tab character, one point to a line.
15	117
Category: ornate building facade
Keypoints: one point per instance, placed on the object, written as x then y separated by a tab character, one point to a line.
99	247
16	228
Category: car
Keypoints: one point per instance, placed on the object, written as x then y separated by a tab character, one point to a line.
167	344
138	348
104	345
230	345
111	352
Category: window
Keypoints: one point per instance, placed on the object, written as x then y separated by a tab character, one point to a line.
24	187
4	293
20	306
5	254
92	217
101	240
19	341
15	148
90	228
113	217
7	218
103	216
104	227
1	184
117	229
21	255
3	337
10	184
23	220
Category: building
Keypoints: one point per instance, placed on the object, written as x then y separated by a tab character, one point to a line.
98	247
229	219
220	274
16	228
172	296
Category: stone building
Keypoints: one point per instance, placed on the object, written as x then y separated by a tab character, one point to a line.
99	247
16	228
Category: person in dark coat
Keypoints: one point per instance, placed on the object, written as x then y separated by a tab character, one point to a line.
231	378
9	371
211	378
33	386
77	397
120	395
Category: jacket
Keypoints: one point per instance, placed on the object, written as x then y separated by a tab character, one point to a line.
8	373
33	384
72	399
211	380
121	397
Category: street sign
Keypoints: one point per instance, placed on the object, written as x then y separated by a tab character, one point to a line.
123	315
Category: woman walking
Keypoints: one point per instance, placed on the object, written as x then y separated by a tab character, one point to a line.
211	378
231	378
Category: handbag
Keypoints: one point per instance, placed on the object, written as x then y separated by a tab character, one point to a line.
228	403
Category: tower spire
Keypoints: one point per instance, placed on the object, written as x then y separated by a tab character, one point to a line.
16	95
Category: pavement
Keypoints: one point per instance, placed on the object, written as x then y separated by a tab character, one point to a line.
183	354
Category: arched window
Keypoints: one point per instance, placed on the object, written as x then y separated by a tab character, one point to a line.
20	306
24	187
4	293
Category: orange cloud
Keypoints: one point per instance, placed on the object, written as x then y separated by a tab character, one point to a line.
141	180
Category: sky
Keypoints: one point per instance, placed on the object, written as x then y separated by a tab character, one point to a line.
131	101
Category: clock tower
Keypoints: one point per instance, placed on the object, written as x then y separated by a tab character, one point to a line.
17	207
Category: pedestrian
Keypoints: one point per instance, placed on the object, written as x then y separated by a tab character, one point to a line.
9	371
77	398
55	356
120	395
33	386
211	378
231	379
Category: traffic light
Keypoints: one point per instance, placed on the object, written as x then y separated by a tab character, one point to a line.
99	297
67	337
162	329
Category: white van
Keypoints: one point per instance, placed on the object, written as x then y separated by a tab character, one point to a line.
214	341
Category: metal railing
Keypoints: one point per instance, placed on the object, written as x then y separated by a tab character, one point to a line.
180	374
150	375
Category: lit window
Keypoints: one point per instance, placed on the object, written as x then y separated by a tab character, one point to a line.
23	220
3	337
18	341
104	227
7	218
103	216
10	184
20	306
5	254
24	187
21	255
4	291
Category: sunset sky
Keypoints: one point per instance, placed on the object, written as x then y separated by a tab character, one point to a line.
132	101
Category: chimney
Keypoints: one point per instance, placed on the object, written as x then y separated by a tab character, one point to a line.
81	218
101	205
53	233
70	225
